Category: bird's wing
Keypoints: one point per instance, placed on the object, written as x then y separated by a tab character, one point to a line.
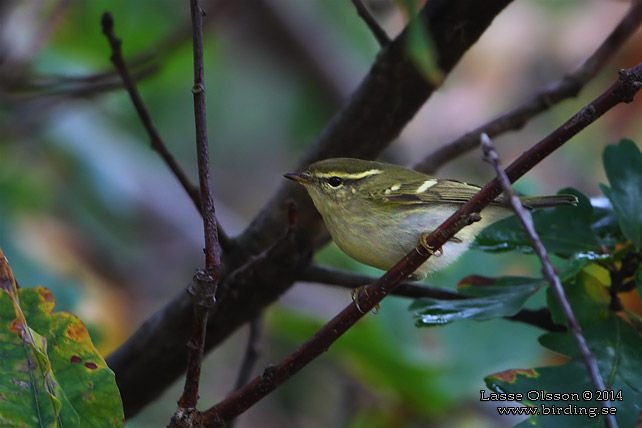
426	191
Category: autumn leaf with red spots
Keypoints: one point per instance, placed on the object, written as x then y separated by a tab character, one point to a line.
53	374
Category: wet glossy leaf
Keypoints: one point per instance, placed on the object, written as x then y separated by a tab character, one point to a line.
576	264
605	224
52	374
617	348
623	167
587	293
563	230
501	297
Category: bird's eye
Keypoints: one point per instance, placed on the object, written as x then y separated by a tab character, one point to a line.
335	181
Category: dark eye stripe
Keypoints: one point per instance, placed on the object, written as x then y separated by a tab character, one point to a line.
335	181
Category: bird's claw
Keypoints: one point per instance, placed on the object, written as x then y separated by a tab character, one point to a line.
423	244
355	298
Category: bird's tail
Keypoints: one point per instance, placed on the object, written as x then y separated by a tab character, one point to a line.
532	202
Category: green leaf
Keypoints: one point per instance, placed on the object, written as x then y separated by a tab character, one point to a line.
422	51
563	230
420	46
623	167
587	293
573	266
53	374
497	298
617	348
606	226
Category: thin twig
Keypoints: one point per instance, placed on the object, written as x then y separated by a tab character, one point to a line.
326	275
373	25
252	353
212	250
526	221
622	90
37	87
157	142
540	318
569	86
203	289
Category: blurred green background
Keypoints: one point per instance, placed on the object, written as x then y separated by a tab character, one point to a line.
90	211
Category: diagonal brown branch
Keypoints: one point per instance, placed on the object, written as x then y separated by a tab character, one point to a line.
627	85
569	86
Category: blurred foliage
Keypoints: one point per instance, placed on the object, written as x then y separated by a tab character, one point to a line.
52	373
597	274
420	46
89	210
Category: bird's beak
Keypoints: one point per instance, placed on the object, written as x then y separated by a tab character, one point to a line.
300	177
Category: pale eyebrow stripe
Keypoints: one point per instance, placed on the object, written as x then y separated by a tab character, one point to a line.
352	176
426	184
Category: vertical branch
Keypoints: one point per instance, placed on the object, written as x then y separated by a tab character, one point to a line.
203	288
526	220
201	292
212	251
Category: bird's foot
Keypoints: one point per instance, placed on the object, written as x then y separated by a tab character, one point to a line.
423	244
355	298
